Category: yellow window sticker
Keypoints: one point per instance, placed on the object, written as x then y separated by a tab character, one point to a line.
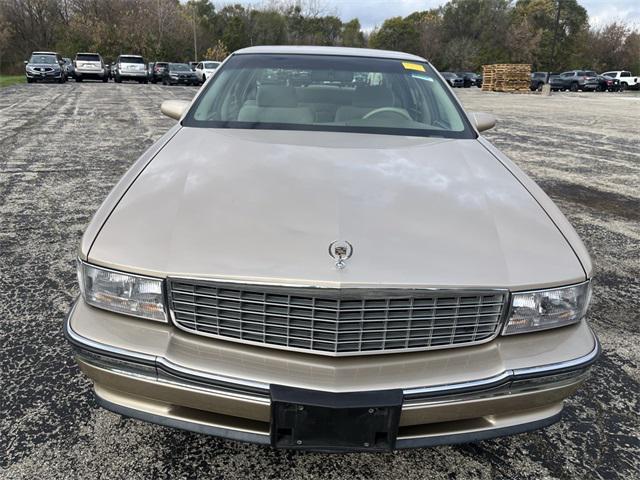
413	66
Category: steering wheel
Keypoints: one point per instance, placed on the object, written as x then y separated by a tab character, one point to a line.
397	111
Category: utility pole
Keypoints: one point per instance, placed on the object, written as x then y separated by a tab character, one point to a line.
195	42
555	36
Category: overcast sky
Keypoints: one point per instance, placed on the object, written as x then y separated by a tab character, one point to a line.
373	12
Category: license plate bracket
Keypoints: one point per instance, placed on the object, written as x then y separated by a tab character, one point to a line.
324	421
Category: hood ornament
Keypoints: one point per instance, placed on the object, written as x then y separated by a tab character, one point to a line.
340	250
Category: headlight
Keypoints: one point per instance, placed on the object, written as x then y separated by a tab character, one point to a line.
543	309
121	292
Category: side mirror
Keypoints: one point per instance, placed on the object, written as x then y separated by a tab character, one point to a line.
26	61
174	108
482	121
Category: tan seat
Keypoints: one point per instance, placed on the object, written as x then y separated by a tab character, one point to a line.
275	104
365	100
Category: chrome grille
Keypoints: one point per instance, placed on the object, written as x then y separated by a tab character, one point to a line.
336	321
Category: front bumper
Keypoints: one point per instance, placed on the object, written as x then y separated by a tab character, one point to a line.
156	373
44	75
183	80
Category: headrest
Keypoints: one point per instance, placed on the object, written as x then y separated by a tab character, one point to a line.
342	76
276	96
372	96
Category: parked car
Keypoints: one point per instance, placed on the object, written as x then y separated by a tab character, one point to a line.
45	66
613	84
625	79
470	79
89	66
453	79
352	268
538	80
179	74
205	69
573	80
130	67
157	72
68	67
599	83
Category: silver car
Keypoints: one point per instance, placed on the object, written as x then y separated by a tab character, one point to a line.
90	66
130	67
310	262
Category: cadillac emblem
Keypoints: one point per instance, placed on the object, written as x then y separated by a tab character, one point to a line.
340	250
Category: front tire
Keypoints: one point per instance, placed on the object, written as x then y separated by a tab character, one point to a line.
574	87
623	87
29	80
78	79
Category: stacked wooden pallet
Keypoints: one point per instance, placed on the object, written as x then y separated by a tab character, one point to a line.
506	77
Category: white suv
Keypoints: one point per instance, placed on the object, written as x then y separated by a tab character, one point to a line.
205	69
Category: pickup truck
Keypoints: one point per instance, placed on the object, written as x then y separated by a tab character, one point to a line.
573	80
627	81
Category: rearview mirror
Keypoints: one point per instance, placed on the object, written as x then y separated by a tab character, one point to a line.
482	121
174	108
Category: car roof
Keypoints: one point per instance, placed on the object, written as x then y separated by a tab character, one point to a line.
129	55
43	53
338	51
87	53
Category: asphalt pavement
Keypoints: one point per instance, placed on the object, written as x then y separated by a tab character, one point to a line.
62	147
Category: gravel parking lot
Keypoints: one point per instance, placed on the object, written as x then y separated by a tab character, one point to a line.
62	147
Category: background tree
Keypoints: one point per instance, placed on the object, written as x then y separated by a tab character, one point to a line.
396	33
559	48
461	34
352	35
218	52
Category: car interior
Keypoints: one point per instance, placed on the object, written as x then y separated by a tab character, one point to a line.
393	99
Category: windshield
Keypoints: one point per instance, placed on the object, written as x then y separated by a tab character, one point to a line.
131	60
180	67
87	57
329	93
47	59
211	65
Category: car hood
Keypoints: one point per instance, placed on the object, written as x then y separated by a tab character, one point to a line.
264	205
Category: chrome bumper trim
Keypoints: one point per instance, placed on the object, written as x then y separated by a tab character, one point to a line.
576	364
261	390
82	343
